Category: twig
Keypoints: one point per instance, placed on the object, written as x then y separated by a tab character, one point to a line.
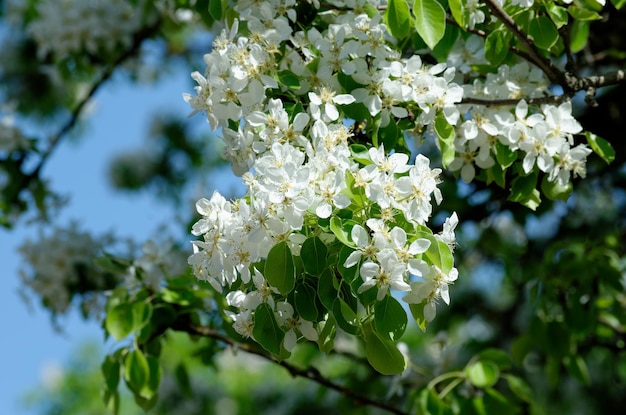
553	99
552	72
310	373
138	39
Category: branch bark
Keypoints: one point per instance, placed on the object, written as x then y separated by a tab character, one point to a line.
552	72
310	373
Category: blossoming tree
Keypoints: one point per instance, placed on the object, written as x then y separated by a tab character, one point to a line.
358	128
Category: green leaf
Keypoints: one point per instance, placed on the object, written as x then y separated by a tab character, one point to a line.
146	404
305	302
533	201
577	368
142	312
501	358
543	32
520	388
111	372
601	147
372	129
445	134
579	34
348	274
390	319
430	21
345	317
119	321
289	79
279	268
336	226
136	370
417	311
151	387
555	191
326	339
314	253
398	18
327	289
111	400
505	156
445	45
215	9
496	403
112	264
202	8
497	46
438	252
266	330
390	134
482	374
583	15
458	11
356	111
558	14
618	3
520	348
522	187
383	354
182	380
432	404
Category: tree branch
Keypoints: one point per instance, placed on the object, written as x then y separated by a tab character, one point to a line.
108	71
552	72
553	99
310	373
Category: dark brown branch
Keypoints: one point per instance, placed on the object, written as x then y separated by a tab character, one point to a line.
310	373
106	74
553	99
597	81
552	72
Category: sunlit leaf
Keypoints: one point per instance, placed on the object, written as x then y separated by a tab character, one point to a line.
136	370
279	268
390	318
398	18
446	135
482	374
313	254
601	147
430	21
266	330
383	354
544	32
520	388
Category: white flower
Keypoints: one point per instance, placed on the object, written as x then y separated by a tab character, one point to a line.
388	272
323	105
432	286
364	247
285	317
560	122
540	148
447	234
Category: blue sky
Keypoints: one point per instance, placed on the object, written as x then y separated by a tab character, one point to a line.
119	121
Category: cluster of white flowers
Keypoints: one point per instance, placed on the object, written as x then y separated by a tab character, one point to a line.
61	265
244	72
297	162
292	185
543	134
157	261
65	27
